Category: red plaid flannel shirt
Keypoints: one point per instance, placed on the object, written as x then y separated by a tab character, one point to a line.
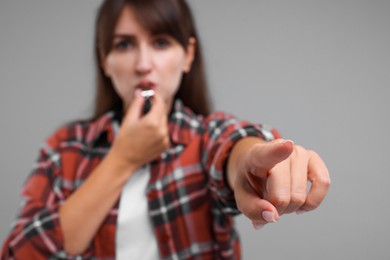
190	203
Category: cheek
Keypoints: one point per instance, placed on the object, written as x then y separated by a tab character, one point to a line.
118	69
173	73
116	66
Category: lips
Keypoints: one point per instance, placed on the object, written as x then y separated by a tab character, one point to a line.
146	85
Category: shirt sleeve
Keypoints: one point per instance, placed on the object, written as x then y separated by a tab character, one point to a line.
36	233
222	132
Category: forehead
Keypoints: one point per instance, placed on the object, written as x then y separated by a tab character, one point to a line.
128	24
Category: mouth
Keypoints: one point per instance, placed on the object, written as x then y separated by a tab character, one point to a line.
146	85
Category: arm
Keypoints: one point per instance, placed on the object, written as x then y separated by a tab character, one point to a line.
84	211
50	222
46	224
222	132
82	214
37	233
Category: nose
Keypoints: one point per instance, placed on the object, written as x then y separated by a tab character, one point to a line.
144	60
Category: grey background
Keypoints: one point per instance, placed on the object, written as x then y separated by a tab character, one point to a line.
319	71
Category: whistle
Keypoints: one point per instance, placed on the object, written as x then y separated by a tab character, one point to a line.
147	95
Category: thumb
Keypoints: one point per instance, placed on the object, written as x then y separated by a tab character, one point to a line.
257	209
264	156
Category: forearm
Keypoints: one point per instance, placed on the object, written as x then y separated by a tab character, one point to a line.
237	155
84	211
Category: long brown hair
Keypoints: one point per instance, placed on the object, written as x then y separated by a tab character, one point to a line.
172	17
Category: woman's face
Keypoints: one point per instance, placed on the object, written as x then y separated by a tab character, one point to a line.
140	60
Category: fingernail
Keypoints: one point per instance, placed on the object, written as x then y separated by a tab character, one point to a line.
258	226
268	216
286	141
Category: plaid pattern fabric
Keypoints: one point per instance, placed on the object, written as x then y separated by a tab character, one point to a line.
190	203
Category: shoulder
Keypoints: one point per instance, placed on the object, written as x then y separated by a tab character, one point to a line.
184	116
219	123
219	116
221	120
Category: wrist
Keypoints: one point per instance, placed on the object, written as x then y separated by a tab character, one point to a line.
238	157
122	166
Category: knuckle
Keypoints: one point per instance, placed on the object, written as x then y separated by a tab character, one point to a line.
166	143
281	200
298	198
152	125
163	132
312	204
326	183
323	181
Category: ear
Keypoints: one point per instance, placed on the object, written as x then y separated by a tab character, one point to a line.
190	54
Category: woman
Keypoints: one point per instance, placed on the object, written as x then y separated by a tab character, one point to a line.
165	184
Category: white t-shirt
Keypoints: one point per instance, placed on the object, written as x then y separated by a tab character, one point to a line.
135	238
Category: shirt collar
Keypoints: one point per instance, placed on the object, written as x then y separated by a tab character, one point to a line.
184	124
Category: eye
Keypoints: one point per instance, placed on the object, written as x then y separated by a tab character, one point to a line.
161	43
123	45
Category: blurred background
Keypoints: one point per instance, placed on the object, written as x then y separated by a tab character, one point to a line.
318	71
